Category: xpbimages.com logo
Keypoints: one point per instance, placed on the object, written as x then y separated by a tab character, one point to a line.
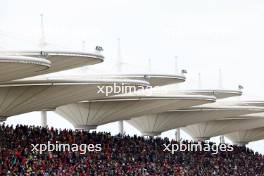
124	89
50	147
197	147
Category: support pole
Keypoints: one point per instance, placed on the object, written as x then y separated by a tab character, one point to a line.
176	69
222	139
199	81
220	79
121	127
178	134
44	122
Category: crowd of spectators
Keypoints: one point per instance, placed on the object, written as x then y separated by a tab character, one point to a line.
120	155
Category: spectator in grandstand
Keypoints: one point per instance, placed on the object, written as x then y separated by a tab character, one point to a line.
119	156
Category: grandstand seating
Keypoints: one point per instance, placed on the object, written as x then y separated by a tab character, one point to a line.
120	155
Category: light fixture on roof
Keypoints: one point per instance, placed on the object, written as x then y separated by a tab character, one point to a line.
43	53
99	48
240	87
183	71
146	77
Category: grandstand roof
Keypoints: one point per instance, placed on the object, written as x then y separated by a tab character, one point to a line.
258	103
209	129
245	136
154	79
171	90
42	62
23	96
205	130
154	124
247	116
14	67
218	93
97	112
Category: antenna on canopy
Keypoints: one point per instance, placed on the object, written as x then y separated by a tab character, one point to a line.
119	57
220	79
176	71
83	45
83	69
43	44
199	81
119	69
149	65
42	41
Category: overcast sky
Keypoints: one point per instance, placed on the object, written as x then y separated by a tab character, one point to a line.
205	36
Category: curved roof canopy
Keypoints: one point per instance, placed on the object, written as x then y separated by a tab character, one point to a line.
52	61
258	103
153	79
154	124
246	136
17	97
218	93
14	67
247	116
97	112
171	91
206	130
